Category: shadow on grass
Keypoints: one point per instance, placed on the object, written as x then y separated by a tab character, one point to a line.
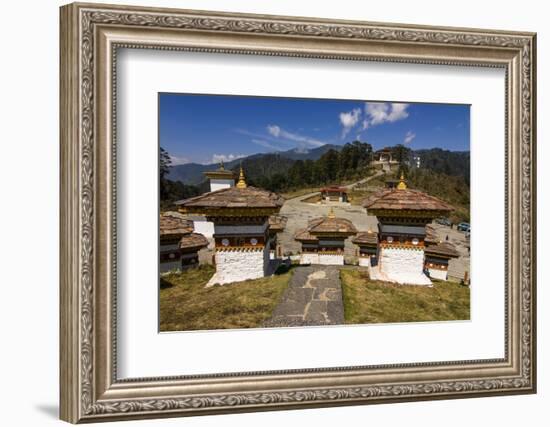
165	284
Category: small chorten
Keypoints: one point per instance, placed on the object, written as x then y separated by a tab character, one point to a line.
402	184
323	241
242	181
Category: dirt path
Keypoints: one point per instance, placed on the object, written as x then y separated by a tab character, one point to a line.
313	297
299	213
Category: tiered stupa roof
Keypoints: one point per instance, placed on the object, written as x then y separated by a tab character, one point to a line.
326	226
193	241
220	173
233	201
173	224
402	198
366	238
443	249
277	223
174	227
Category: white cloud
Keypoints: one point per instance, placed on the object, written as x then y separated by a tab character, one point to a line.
265	144
383	112
217	158
279	132
178	160
349	120
274	130
409	137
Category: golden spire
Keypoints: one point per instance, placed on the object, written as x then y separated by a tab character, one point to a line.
402	185
331	213
221	166
242	182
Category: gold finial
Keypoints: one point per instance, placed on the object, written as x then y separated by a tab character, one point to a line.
402	185
331	213
242	182
222	168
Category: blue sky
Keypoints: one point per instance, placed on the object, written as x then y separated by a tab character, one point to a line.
209	128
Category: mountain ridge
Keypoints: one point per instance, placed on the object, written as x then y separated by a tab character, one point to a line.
455	163
192	173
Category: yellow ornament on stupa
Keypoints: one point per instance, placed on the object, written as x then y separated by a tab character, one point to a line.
242	182
402	185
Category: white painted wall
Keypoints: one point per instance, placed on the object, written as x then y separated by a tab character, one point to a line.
321	259
309	258
403	265
219	184
438	274
331	259
206	228
236	266
397	260
364	261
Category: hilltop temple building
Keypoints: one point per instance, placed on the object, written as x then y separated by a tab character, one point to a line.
402	216
179	245
383	159
334	194
240	215
323	240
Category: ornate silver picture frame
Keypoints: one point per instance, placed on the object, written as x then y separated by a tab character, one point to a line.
90	36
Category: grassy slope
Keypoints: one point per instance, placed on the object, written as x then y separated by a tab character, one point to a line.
185	304
299	192
367	301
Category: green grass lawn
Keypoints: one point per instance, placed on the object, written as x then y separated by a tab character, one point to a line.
367	301
185	304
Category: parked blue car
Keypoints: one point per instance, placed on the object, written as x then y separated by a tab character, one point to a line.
463	226
444	221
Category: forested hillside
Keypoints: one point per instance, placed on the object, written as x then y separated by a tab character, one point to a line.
452	189
443	173
352	161
454	163
193	173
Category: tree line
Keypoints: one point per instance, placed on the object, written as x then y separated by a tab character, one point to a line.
352	161
278	173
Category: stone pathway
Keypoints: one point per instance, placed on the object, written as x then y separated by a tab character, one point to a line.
313	298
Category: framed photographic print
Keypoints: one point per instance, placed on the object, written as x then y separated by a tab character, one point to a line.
266	212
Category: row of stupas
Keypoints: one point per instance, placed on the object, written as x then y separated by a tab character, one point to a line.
403	248
246	221
241	218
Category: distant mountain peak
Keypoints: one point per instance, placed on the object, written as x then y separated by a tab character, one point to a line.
192	173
